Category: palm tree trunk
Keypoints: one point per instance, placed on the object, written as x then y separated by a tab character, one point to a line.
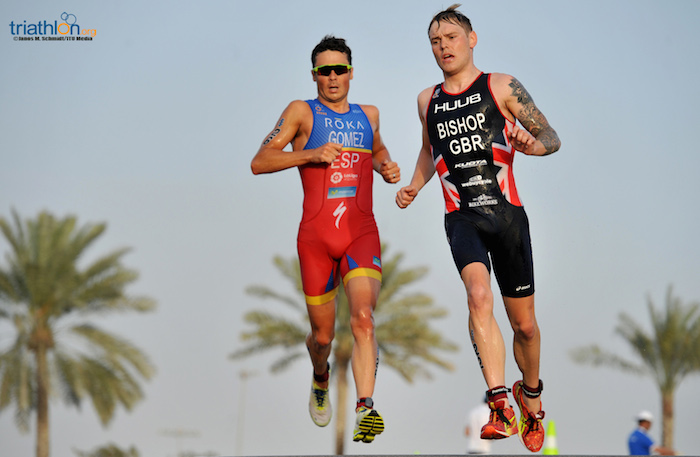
42	404
341	404
667	419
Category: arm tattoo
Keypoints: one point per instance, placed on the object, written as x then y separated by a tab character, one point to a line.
550	140
274	133
529	115
532	118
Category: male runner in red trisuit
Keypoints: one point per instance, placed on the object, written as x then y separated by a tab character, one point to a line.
336	146
470	137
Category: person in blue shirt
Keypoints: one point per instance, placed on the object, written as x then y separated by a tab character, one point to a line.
640	443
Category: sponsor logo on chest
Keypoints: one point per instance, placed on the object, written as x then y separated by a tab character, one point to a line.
456	104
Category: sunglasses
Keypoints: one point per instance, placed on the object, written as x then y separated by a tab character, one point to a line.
325	70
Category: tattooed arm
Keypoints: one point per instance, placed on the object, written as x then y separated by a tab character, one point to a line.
542	139
294	126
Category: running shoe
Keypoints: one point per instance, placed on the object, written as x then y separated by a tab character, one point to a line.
502	422
367	425
320	405
530	429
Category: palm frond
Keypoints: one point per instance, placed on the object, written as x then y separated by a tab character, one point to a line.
270	332
265	292
595	356
16	375
283	363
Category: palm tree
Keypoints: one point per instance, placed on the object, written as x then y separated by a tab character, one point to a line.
405	340
46	293
669	353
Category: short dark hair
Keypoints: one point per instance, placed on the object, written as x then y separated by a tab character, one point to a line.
452	15
331	43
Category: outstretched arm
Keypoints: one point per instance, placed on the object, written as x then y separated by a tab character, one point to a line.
272	157
540	138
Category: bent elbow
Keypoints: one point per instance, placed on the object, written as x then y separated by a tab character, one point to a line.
551	143
255	167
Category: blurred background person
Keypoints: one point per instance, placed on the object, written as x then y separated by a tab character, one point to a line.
477	417
640	443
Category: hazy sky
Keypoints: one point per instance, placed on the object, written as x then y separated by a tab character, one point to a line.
150	127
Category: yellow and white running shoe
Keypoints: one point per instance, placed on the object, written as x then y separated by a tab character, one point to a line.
368	424
320	405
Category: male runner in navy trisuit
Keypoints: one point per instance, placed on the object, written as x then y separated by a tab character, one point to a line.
470	137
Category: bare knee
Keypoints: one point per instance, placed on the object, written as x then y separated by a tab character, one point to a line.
526	329
480	300
322	337
362	324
